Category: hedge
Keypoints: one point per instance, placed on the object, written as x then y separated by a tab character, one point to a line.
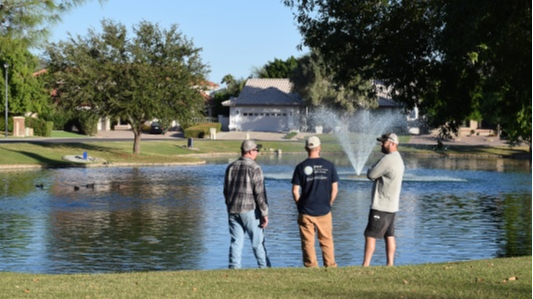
40	127
201	130
3	124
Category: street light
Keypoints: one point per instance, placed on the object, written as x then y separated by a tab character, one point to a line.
6	66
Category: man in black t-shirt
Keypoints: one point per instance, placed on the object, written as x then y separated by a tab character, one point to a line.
314	189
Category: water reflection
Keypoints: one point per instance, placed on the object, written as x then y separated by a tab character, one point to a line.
174	218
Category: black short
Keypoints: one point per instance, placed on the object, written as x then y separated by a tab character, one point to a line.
380	224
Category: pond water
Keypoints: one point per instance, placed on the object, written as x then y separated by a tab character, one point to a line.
104	220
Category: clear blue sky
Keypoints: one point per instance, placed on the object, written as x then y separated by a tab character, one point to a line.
236	36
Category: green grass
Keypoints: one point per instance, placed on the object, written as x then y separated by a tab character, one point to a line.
113	152
495	278
175	151
466	151
64	134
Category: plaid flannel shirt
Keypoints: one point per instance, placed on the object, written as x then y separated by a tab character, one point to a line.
244	187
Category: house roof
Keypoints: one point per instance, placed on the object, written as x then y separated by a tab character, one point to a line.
266	92
387	102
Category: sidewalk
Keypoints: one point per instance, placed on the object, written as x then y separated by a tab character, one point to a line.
233	135
274	136
467	140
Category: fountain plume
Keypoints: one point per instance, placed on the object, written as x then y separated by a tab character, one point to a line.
357	133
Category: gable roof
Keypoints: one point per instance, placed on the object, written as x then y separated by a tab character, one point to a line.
387	103
267	92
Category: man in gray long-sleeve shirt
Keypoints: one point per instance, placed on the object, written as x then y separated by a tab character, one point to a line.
247	206
387	175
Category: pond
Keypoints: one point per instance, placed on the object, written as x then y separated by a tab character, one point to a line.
102	220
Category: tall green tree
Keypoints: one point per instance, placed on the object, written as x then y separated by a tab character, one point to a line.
24	24
314	81
155	73
279	68
30	20
233	89
26	92
453	59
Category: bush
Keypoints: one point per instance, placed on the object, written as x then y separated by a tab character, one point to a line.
49	127
290	135
146	128
88	123
201	130
39	126
3	124
60	119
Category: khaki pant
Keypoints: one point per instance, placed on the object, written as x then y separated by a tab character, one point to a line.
324	230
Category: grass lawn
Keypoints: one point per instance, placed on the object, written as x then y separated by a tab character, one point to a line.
64	134
495	278
176	151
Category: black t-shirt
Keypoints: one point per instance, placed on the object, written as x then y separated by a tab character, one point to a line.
315	176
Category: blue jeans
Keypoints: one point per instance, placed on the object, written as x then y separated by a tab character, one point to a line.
239	224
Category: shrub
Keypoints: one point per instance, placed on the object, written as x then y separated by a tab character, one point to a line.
3	124
38	125
49	127
290	135
201	130
146	128
60	119
88	123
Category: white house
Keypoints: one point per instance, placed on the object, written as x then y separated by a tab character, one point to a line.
268	105
206	89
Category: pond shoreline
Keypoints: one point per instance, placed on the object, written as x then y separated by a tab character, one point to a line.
210	155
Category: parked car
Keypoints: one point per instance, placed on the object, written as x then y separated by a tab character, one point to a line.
156	128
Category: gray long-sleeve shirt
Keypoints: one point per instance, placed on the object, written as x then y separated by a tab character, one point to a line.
387	175
244	187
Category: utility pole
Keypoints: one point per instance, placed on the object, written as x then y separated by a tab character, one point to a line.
6	66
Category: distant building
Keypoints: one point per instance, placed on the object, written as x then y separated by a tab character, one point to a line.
268	105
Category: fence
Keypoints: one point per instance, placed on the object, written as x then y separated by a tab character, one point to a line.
203	120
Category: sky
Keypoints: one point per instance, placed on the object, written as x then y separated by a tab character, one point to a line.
236	36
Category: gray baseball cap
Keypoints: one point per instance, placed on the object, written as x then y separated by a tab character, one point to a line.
390	136
248	145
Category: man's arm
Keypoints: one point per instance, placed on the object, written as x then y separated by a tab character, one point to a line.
377	171
259	191
334	192
296	193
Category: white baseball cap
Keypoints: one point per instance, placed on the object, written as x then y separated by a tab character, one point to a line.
312	142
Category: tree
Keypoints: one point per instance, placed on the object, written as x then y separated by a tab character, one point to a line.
23	24
279	69
30	20
233	89
452	59
26	91
153	74
314	81
233	86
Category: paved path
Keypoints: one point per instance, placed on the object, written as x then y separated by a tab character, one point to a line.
272	136
468	140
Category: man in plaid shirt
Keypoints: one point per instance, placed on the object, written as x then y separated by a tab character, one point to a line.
246	201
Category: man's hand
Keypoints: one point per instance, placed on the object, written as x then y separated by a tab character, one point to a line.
264	222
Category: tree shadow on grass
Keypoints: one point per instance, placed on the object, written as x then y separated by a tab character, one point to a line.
80	146
76	148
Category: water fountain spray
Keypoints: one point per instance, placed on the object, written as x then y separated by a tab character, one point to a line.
357	133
